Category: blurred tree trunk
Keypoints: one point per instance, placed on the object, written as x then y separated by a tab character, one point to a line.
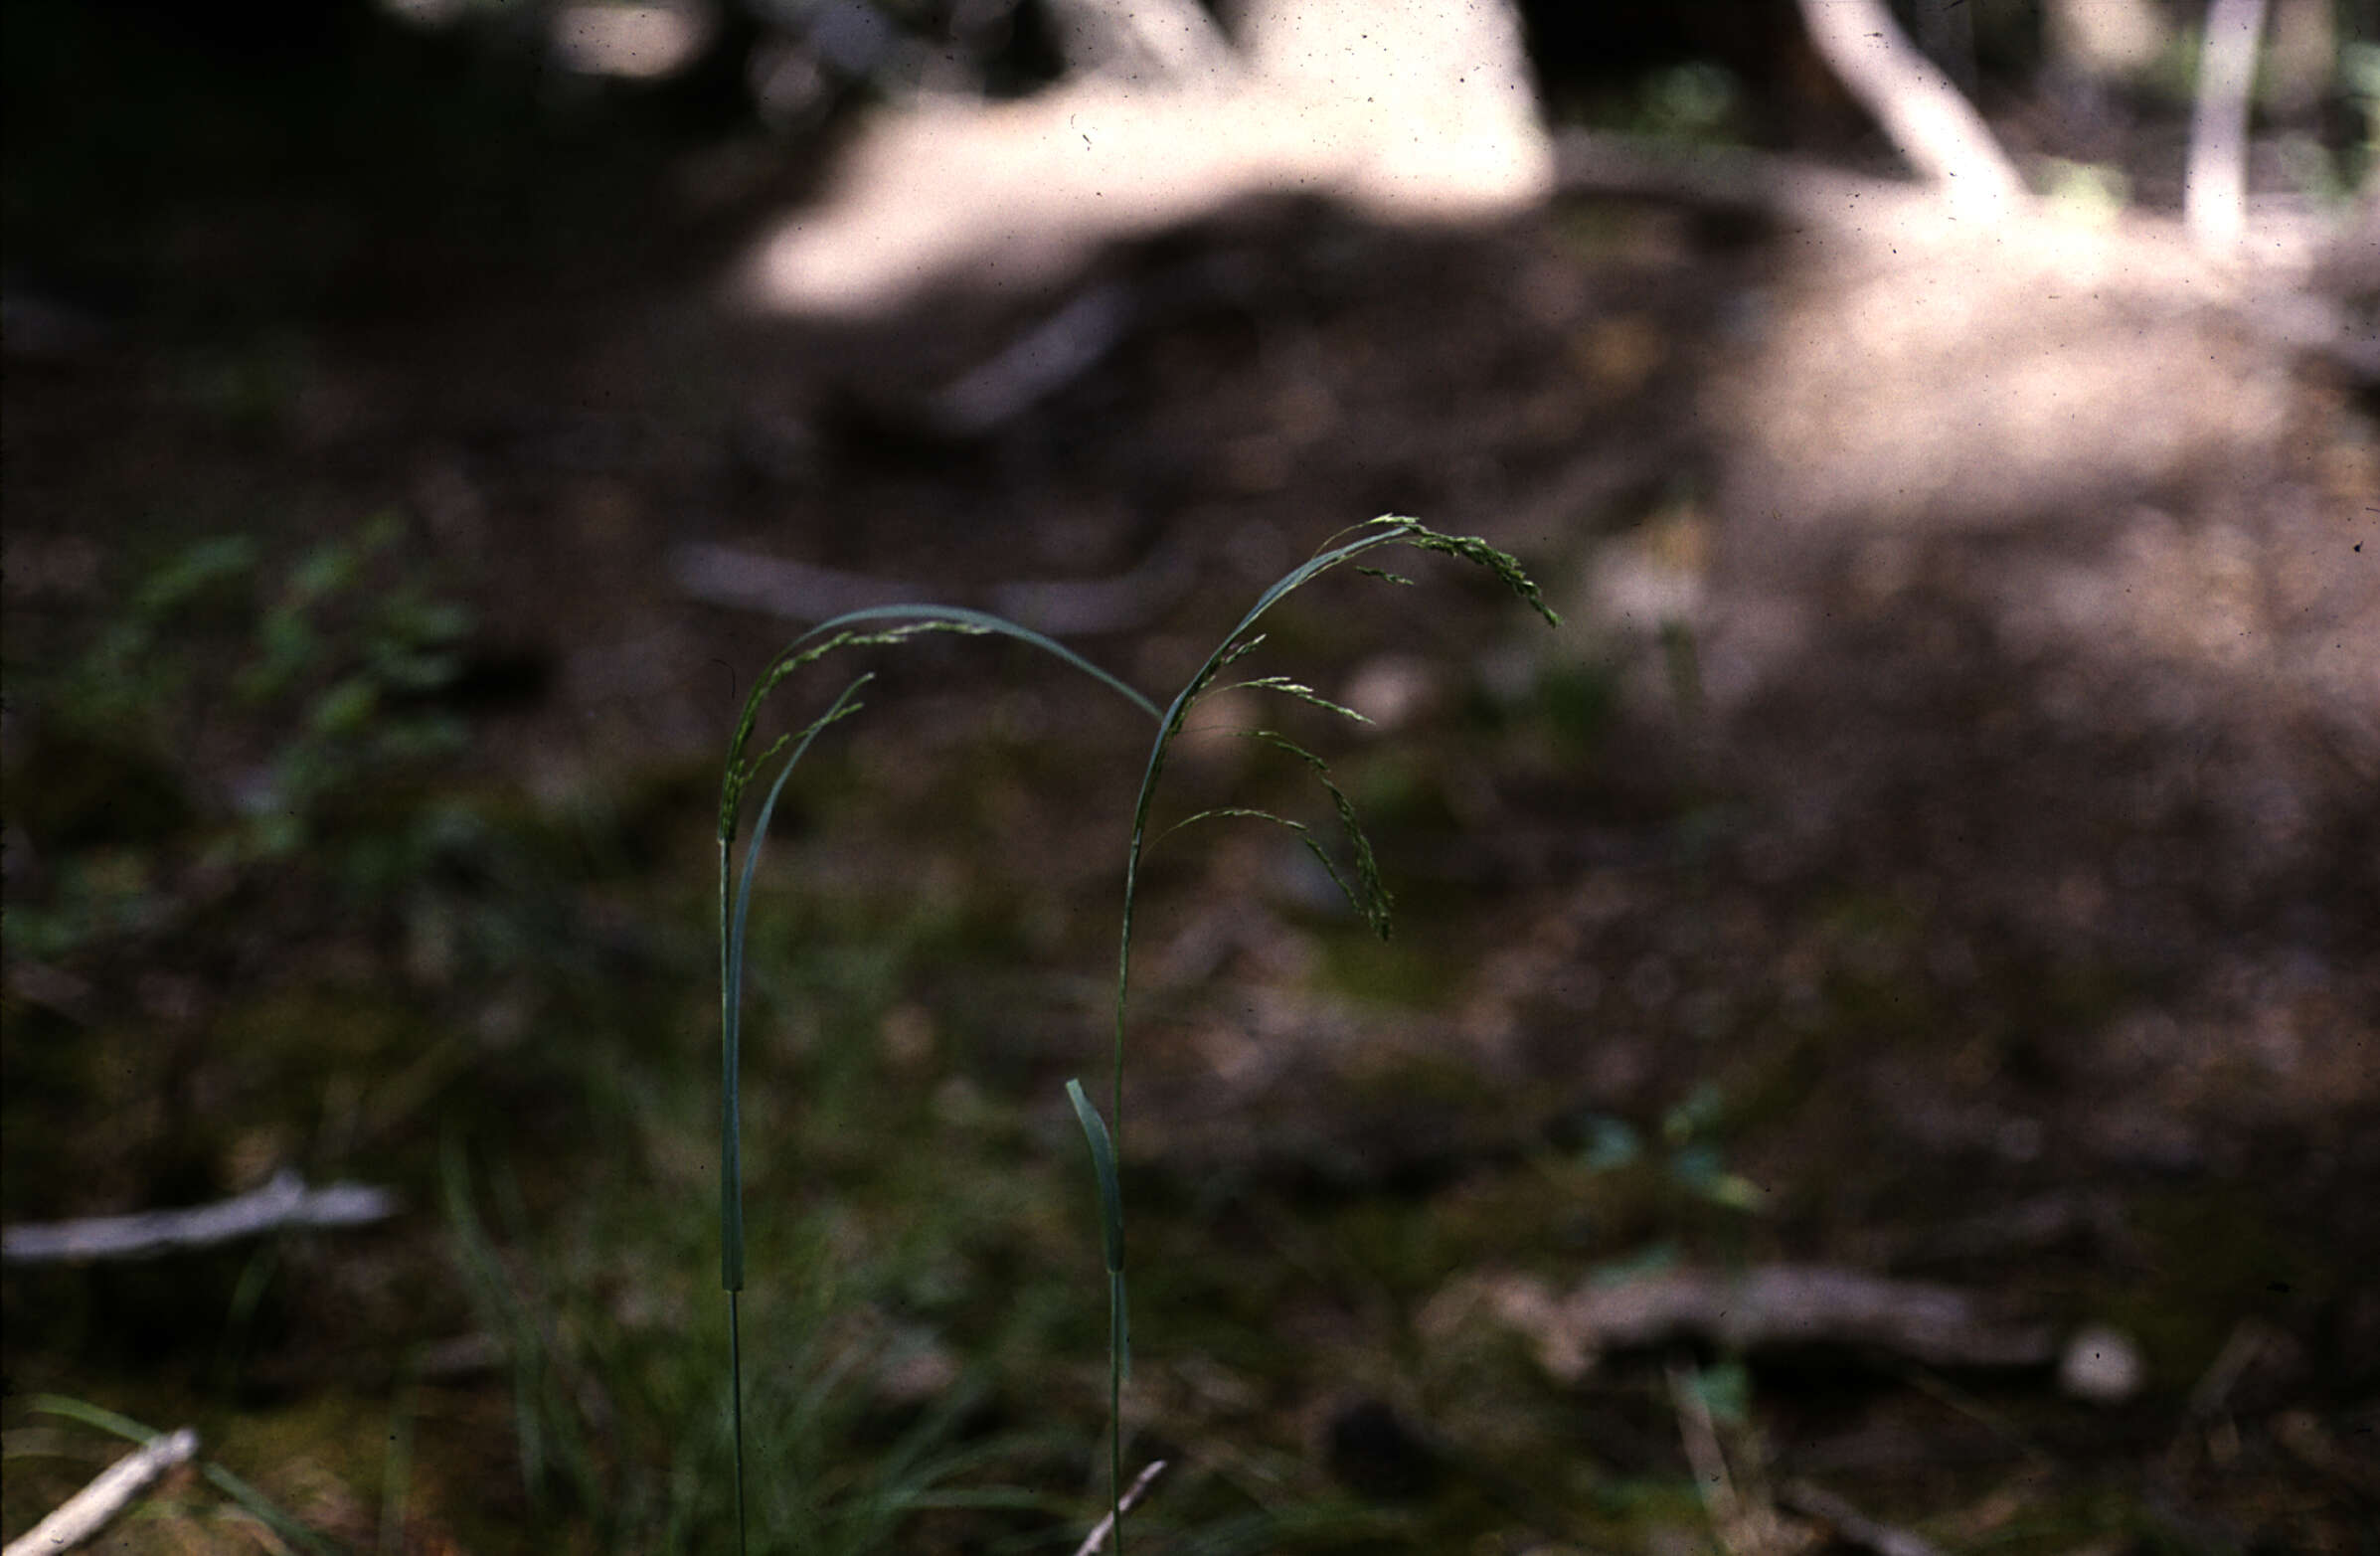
1945	30
1928	121
2215	190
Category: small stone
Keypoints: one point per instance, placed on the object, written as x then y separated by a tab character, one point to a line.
2100	1365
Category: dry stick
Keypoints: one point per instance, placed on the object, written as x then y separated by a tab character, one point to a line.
86	1512
1106	1526
2247	1341
1703	1456
1039	363
1848	1524
283	1202
1804	1304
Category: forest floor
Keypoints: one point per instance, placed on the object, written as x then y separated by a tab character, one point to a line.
1879	1040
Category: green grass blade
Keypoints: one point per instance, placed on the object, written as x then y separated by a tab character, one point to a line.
1103	1166
731	1091
90	1415
502	1309
268	1512
730	1165
1119	1323
1388	529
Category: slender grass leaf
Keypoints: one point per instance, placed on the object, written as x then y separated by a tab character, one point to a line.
1103	1166
267	1511
1119	1306
90	1415
731	1167
1119	1322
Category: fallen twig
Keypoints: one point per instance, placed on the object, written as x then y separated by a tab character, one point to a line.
1100	1532
286	1202
1120	602
86	1512
1703	1455
1806	1305
1774	1306
1848	1524
778	585
1039	363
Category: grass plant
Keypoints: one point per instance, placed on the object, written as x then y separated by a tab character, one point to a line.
1356	874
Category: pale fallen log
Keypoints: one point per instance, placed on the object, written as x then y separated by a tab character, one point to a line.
1780	1306
1774	1307
283	1203
86	1512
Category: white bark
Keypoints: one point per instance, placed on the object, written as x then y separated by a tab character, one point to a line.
283	1202
1946	32
86	1512
1927	121
2215	190
2104	39
1147	41
1410	111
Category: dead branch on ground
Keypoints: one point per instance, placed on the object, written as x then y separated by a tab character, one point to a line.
286	1203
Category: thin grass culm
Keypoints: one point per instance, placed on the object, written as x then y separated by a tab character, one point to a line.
888	625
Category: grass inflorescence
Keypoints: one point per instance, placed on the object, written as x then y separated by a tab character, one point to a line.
891	625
